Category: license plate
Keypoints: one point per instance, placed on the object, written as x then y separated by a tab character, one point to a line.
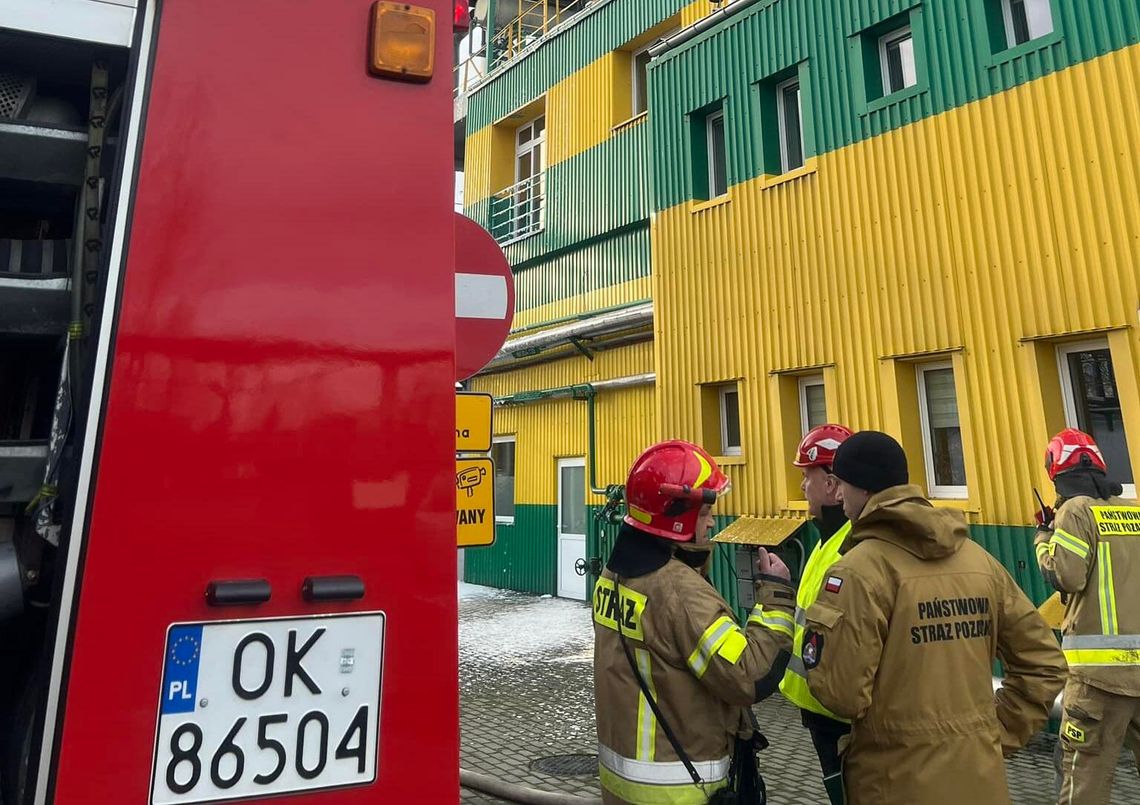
266	707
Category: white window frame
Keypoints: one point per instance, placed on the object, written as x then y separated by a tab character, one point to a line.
937	491
722	407
1007	17
636	94
537	190
504	440
781	119
805	382
1069	398
709	120
885	41
529	146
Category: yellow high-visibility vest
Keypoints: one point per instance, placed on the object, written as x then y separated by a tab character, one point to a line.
794	685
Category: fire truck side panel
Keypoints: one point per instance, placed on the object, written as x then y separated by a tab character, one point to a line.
280	381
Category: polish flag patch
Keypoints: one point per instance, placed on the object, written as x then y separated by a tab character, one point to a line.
834	584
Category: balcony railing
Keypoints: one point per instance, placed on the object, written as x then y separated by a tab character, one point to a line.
532	21
522	24
470	60
520	210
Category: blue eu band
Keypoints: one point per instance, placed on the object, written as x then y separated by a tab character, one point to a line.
180	682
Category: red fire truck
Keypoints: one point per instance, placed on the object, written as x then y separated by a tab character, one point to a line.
226	387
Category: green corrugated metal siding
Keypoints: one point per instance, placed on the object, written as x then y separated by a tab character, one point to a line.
524	556
600	541
592	267
957	66
589	195
597	33
1013	546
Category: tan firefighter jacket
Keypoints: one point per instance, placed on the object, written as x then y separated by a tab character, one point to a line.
700	665
902	640
1093	556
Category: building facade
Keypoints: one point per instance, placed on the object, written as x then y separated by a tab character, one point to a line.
557	169
920	217
927	224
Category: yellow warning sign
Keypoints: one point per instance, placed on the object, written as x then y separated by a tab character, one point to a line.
474	502
472	423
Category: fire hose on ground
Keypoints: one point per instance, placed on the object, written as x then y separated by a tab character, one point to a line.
486	784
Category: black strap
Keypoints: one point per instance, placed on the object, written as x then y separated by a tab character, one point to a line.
653	702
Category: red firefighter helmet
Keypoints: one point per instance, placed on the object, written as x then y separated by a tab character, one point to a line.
819	445
1071	449
667	486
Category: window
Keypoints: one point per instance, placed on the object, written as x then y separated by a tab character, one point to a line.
896	58
530	162
786	137
730	421
1026	20
717	157
791	129
1088	387
641	80
941	431
503	456
813	403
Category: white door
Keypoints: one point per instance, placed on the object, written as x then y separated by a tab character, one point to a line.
572	528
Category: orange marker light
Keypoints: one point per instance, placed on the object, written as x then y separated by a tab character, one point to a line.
402	42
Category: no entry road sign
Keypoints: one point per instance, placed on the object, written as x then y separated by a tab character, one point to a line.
484	297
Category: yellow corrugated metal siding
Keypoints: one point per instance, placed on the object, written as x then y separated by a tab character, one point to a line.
477	166
1012	217
694	12
612	296
581	110
553	429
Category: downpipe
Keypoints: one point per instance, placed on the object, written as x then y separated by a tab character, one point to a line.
1055	712
588	393
486	784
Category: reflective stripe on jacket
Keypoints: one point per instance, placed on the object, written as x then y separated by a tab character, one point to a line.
1092	554
794	685
656	783
697	662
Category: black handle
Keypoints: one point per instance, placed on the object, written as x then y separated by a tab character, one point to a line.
333	588
234	593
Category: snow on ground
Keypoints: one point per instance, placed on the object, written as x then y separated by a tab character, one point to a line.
506	628
526	679
475	592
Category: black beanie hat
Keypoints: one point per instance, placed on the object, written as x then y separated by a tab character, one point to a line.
871	461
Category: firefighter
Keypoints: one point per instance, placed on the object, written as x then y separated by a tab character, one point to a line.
814	457
674	674
902	639
1088	553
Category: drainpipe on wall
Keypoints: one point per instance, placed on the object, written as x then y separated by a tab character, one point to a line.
615	320
613	493
587	392
714	18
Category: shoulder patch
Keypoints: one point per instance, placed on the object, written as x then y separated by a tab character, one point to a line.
813	649
833	584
